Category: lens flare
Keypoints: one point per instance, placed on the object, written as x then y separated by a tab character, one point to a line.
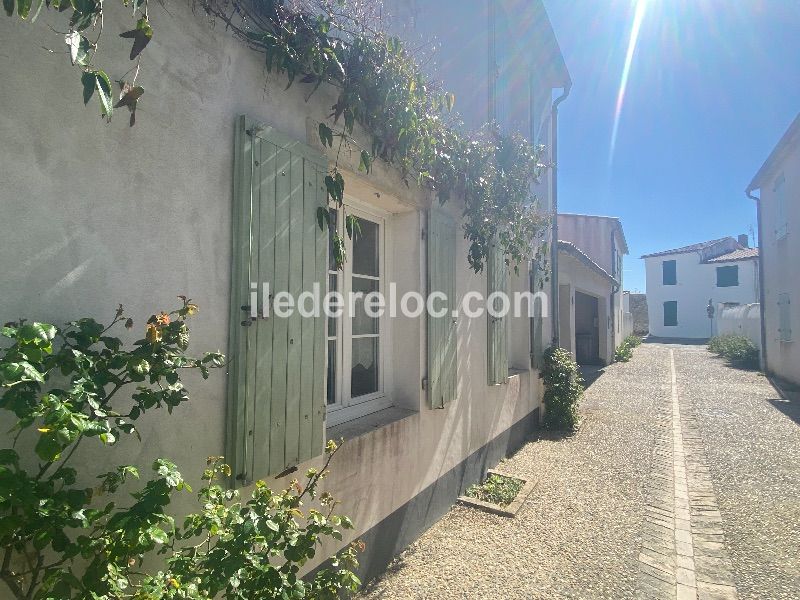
638	17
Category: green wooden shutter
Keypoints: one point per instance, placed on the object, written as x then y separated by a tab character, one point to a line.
537	273
442	339
497	273
277	379
671	313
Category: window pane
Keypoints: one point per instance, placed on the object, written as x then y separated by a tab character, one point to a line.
332	372
364	376
365	249
362	323
333	285
728	276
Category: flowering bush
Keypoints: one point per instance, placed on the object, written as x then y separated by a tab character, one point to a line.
63	536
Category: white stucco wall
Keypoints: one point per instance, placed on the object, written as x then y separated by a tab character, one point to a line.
94	214
696	285
780	261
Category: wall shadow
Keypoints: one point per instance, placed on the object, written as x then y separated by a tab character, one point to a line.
676	341
591	373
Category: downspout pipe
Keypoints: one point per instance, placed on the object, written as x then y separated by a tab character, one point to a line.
761	291
554	229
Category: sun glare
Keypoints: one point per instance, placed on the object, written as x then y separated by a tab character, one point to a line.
638	17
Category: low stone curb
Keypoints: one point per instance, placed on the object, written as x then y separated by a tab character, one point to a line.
504	511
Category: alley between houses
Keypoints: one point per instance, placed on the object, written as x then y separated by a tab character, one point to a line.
682	482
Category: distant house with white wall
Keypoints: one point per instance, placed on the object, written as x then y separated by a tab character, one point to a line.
778	181
682	281
590	304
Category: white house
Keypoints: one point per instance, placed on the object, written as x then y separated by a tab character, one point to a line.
778	182
682	282
93	214
590	304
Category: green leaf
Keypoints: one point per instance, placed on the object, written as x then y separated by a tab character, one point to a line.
23	8
158	535
8	5
48	448
366	162
108	438
104	91
141	36
8	457
325	135
79	48
84	13
449	101
323	217
41	333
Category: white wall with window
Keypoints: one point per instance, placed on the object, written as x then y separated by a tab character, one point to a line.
679	287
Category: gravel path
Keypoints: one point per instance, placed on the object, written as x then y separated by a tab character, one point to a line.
752	443
578	535
581	532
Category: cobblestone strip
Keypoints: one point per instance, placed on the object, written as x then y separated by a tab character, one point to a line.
683	553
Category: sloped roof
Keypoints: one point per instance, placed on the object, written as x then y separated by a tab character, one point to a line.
573	250
692	248
739	254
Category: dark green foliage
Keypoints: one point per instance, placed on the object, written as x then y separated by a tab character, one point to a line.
563	385
65	530
497	489
625	350
738	350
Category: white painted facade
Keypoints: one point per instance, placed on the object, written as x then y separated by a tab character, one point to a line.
695	284
95	214
778	182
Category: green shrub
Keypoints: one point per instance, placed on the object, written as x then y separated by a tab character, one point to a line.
497	489
624	351
634	341
563	389
67	530
738	350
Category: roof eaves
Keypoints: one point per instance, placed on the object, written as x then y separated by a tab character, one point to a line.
791	137
572	249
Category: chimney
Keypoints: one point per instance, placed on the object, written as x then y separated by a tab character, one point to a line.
744	240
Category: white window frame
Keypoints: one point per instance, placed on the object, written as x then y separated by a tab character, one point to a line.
347	408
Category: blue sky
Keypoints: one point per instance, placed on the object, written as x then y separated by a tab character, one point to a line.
712	86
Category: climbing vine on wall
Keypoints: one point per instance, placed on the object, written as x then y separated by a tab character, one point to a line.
382	95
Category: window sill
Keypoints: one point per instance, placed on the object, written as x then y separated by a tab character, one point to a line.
366	424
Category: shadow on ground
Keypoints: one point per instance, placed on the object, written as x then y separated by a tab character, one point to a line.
788	401
591	373
676	341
